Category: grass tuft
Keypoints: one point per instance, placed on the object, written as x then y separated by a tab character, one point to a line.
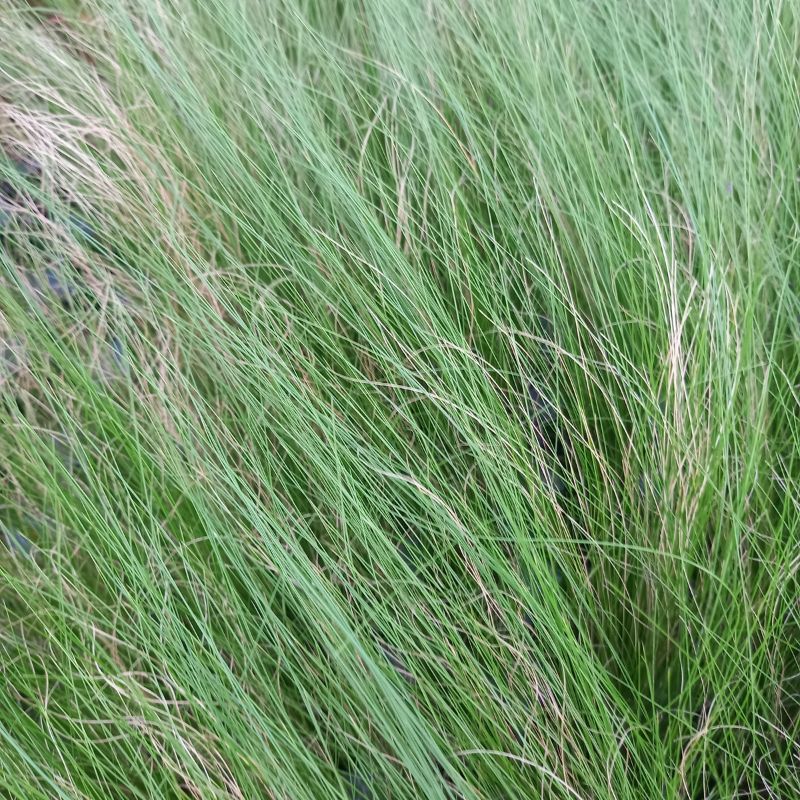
399	399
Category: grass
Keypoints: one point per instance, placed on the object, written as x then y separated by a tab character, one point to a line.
400	399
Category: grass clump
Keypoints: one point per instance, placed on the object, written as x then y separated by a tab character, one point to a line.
399	399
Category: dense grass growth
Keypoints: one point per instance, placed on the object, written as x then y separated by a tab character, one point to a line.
400	399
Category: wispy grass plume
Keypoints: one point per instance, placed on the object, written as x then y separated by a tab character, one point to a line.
400	399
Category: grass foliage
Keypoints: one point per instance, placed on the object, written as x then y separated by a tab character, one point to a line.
400	399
